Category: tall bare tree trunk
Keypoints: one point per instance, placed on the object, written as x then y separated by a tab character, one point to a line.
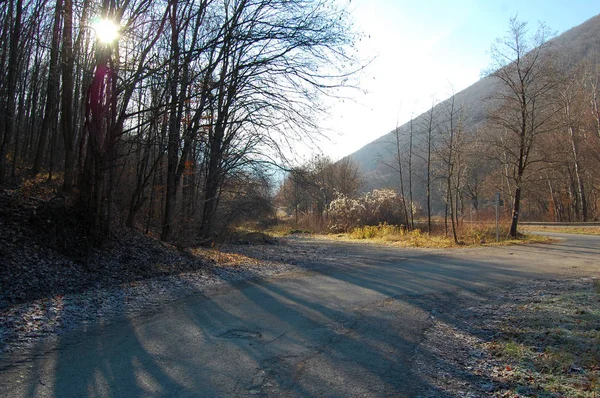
211	191
519	180
430	129
9	111
410	186
67	96
450	173
174	129
577	169
555	204
51	91
400	174
16	153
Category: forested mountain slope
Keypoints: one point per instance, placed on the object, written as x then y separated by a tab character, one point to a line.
378	160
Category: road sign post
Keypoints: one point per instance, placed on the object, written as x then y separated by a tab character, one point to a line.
497	204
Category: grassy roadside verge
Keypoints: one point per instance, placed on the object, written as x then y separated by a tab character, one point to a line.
535	338
550	346
393	235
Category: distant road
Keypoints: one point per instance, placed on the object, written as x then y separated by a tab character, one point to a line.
561	224
347	332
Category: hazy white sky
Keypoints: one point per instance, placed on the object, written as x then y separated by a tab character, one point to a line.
423	48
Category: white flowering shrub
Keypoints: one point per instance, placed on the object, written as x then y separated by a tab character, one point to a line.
345	213
383	205
377	206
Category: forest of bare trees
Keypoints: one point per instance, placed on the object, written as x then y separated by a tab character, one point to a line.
534	139
176	125
543	132
172	126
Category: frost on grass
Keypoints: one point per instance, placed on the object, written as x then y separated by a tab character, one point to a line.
553	343
536	339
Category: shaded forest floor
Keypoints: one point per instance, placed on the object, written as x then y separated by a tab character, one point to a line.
45	252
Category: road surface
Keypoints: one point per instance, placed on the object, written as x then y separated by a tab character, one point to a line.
350	331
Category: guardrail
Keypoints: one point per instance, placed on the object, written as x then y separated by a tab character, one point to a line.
561	224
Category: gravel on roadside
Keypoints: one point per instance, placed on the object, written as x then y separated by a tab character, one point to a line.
26	322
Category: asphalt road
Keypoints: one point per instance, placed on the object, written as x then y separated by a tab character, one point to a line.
349	331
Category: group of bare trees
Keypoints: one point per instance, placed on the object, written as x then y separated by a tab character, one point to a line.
428	156
183	111
308	190
543	131
553	157
538	144
322	195
535	139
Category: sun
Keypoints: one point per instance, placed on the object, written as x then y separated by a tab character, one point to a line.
106	31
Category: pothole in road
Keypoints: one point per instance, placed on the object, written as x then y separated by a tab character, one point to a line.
241	334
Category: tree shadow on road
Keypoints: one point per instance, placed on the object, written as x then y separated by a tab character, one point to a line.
354	328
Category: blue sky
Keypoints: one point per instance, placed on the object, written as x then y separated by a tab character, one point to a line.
424	49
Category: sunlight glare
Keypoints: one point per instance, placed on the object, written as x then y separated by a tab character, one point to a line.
106	31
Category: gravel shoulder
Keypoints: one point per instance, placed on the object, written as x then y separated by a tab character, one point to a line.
105	298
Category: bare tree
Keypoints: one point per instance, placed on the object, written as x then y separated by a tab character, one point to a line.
270	74
397	166
347	179
430	125
448	153
185	55
67	65
52	90
8	113
594	90
410	175
572	100
522	68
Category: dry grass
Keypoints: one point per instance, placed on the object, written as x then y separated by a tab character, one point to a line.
471	235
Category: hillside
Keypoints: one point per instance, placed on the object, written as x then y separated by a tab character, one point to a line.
580	42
